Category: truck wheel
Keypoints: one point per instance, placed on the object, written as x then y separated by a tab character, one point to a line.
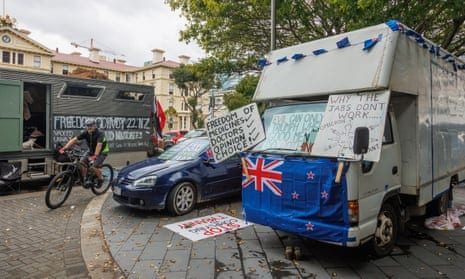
440	205
386	231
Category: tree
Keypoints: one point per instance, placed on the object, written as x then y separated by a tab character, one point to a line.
195	80
243	93
230	29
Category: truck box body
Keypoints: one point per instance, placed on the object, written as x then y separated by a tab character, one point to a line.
422	133
40	111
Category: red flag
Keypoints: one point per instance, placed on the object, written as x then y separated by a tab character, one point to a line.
159	118
161	115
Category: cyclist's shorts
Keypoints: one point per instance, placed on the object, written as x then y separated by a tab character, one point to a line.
98	162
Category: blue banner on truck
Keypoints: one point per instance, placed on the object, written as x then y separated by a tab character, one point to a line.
303	199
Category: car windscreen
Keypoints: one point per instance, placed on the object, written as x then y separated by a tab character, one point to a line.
186	150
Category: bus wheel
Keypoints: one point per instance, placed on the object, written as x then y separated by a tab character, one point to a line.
386	231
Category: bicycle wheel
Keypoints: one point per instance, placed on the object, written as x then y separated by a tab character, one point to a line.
107	173
59	189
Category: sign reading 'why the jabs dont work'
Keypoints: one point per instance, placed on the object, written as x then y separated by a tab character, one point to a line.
234	132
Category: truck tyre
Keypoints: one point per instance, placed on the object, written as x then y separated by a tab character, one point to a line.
439	206
386	231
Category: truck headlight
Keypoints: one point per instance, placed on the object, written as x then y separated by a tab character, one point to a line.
147	181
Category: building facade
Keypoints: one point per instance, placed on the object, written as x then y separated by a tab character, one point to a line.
20	52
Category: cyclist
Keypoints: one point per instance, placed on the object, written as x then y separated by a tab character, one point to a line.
98	148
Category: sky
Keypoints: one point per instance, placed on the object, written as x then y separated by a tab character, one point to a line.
127	29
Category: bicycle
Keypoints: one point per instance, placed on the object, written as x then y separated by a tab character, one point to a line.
60	186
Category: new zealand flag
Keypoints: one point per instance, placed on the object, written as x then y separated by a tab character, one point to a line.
296	195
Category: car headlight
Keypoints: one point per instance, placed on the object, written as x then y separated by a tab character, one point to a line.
147	181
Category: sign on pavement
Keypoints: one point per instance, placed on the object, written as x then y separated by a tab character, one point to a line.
208	226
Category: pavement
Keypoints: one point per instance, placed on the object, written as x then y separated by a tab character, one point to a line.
94	237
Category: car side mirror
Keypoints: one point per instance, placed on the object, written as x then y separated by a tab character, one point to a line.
361	140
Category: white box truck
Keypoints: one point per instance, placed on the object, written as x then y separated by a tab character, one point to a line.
363	130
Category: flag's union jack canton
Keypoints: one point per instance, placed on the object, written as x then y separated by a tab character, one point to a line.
296	195
261	174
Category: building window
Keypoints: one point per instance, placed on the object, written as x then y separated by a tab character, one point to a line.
153	74
143	76
184	123
20	58
65	69
37	61
171	89
118	77
6	57
170	102
128	78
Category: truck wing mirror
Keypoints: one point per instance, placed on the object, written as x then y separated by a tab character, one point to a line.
361	138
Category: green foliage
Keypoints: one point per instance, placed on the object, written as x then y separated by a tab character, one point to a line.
235	100
195	80
247	86
245	90
240	29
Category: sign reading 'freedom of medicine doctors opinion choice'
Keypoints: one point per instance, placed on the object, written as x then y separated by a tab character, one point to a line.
234	132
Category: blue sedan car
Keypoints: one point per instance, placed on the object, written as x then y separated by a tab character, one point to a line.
178	178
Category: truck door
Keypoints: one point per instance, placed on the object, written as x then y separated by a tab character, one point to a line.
381	176
11	115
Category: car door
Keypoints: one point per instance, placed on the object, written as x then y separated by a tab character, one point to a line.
220	177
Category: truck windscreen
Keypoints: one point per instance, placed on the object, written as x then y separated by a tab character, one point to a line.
291	128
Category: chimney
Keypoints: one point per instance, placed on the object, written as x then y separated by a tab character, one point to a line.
94	55
157	55
184	59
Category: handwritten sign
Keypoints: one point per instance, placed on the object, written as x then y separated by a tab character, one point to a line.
208	226
122	133
236	131
344	113
290	130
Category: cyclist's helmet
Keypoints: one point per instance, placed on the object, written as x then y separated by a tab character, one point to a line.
90	122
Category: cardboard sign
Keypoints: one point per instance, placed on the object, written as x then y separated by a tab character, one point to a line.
343	114
234	132
208	226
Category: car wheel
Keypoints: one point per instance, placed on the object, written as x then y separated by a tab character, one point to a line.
181	199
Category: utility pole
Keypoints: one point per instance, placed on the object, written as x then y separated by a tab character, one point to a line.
273	24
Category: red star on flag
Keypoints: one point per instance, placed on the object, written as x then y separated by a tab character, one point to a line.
324	194
295	195
310	175
309	226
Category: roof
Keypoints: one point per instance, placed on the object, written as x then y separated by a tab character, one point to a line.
85	61
25	37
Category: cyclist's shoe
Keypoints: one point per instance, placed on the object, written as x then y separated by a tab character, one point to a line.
99	183
87	184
